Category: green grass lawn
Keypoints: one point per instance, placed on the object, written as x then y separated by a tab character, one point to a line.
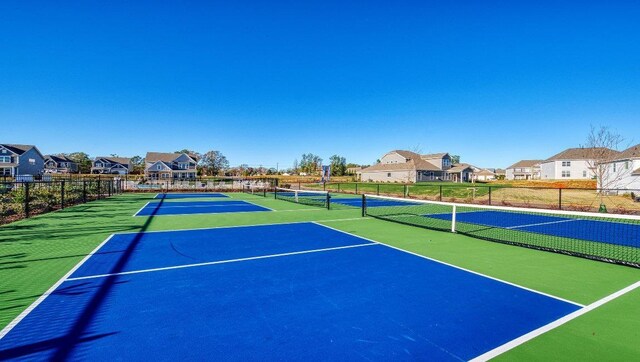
37	252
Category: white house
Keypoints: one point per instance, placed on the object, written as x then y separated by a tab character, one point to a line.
574	163
484	175
406	166
623	172
524	170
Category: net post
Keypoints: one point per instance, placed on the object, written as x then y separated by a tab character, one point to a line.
275	191
328	201
364	205
453	219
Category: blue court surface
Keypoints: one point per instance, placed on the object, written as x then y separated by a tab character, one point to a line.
190	195
610	232
198	207
290	291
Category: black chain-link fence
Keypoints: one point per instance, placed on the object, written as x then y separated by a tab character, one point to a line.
19	200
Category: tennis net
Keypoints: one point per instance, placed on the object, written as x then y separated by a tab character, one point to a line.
254	190
607	237
305	197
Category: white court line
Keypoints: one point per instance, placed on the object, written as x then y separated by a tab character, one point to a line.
249	202
142	208
243	226
219	262
541	223
555	324
44	296
207	213
233	203
455	266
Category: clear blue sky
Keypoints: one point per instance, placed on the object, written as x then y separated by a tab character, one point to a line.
266	81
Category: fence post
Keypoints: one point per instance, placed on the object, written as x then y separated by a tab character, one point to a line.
324	185
489	195
26	199
440	194
356	188
559	199
404	190
84	191
364	206
378	189
99	188
62	194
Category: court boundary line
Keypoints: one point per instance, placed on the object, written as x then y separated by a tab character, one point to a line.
541	223
194	193
212	213
241	226
50	291
167	204
553	325
194	265
142	208
457	267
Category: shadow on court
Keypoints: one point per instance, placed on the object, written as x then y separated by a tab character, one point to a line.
62	347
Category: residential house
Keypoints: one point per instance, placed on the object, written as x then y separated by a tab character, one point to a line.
623	172
407	166
16	160
484	175
501	174
111	165
170	166
59	164
524	170
574	163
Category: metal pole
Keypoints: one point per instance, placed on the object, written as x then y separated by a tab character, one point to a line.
364	206
356	188
84	191
328	201
559	199
489	195
378	189
26	199
62	194
453	219
440	196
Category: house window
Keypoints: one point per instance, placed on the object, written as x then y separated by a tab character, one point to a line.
566	173
614	167
6	171
626	165
158	167
388	174
446	162
98	164
584	174
6	159
32	161
566	163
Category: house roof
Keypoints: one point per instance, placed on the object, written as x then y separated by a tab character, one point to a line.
406	154
581	153
122	160
412	165
434	155
460	167
165	157
629	153
636	172
485	172
58	158
499	171
18	149
525	163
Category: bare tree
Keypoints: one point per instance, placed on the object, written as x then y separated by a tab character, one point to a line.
603	147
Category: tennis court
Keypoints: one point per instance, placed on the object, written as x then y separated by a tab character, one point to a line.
294	285
197	207
94	282
185	195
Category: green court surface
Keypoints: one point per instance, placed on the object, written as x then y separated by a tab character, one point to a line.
36	253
